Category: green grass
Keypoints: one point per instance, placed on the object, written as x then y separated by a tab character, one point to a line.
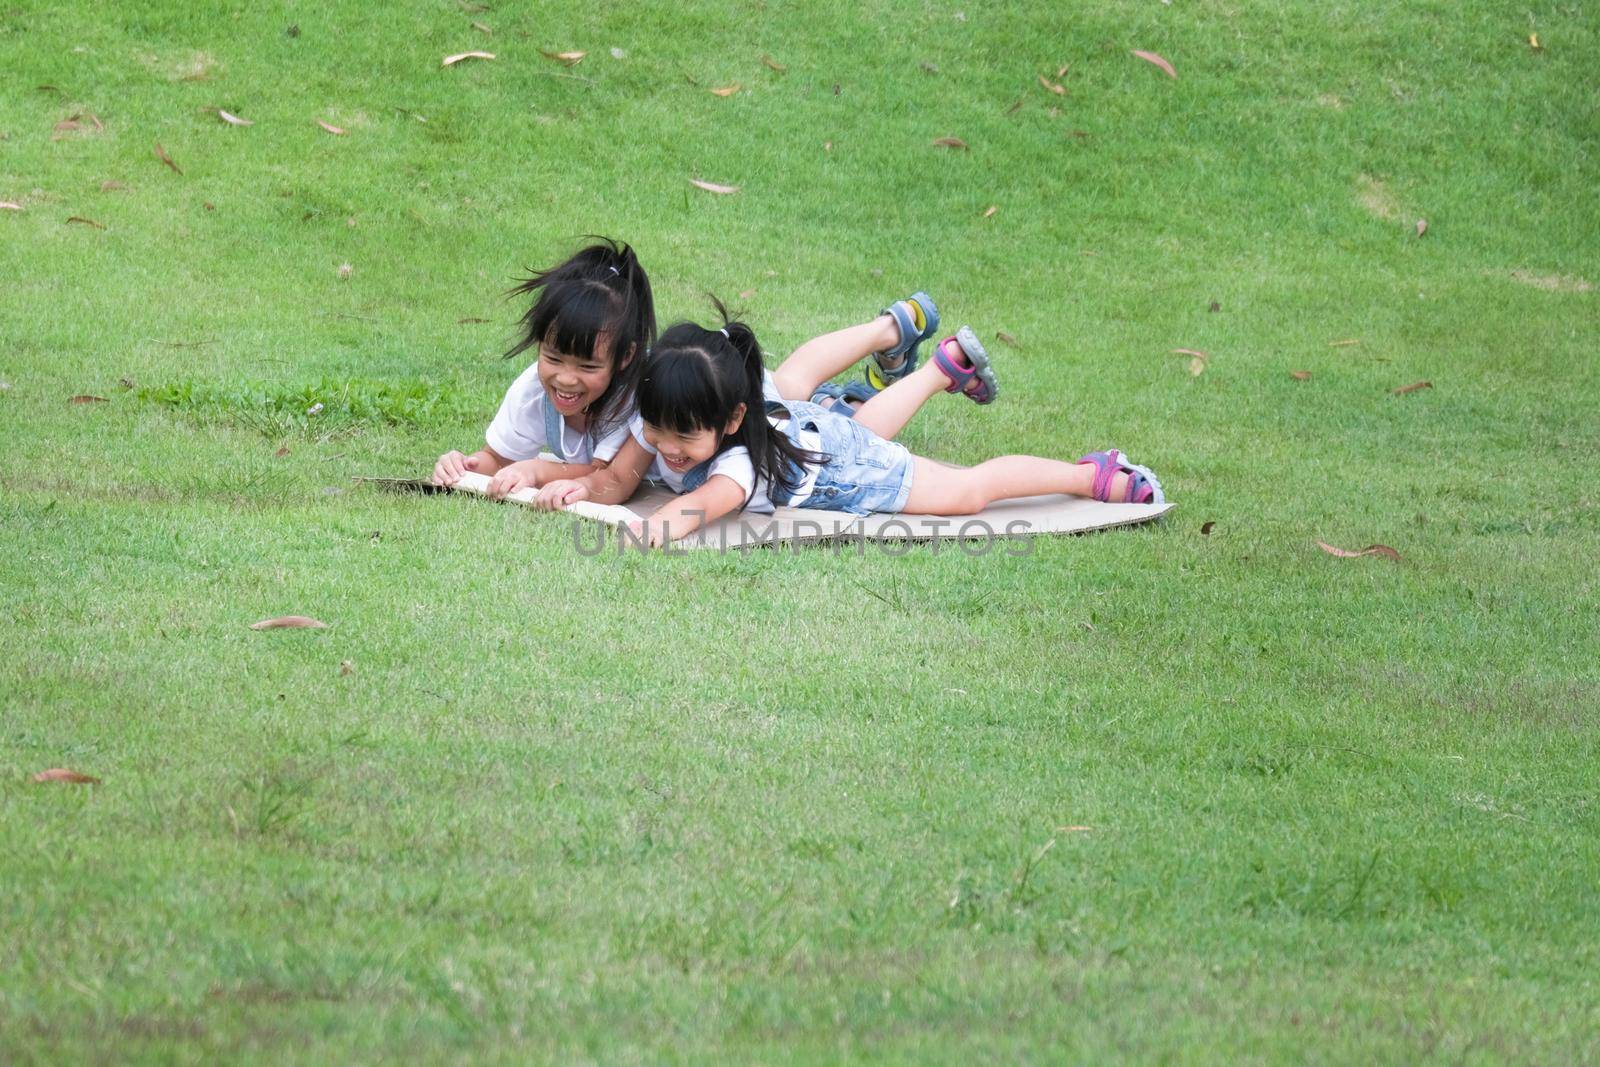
799	807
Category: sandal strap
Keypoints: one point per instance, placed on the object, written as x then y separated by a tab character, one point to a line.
960	377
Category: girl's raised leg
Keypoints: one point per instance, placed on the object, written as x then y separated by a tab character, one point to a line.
887	413
833	353
940	490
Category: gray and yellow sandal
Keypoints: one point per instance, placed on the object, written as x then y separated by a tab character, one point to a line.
918	318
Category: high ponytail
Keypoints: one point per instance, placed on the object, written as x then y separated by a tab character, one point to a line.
695	379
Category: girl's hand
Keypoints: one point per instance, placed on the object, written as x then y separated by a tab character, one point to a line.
451	466
558	494
647	532
510	479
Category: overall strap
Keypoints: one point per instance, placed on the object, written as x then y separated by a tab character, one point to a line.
555	428
696	476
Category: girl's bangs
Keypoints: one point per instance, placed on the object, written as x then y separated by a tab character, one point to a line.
679	397
571	317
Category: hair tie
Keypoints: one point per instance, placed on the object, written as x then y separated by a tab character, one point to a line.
614	270
724	332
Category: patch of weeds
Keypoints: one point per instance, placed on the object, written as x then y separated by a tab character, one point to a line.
323	409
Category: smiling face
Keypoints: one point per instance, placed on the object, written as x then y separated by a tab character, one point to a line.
573	382
683	450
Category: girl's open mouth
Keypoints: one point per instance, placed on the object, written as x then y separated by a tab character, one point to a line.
567	400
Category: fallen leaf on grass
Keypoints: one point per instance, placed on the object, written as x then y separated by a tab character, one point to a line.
1413	387
950	142
773	64
1151	57
1014	108
290	622
346	668
1371	550
161	154
1344	344
747	294
1061	71
727	90
467	321
111	186
1422	227
1054	87
283	450
1207	526
74	123
1533	42
61	774
713	187
481	28
1300	375
1001	335
989	211
1197	360
331	128
232	119
86	222
345	270
570	59
6	205
1073	829
88	398
450	61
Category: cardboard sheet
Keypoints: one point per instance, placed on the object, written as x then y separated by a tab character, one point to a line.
1020	518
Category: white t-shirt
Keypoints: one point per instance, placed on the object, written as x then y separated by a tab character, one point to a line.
518	429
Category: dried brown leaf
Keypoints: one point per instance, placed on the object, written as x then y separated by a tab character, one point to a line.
1207	526
950	142
1344	344
1074	829
727	90
232	119
1061	71
111	186
87	398
571	59
1001	335
86	222
1190	352
1300	375
1413	387
1371	550
290	622
450	61
283	450
1422	227
713	187
161	154
989	211
61	774
331	128
481	28
773	64
1151	57
1054	87
7	205
1533	42
1014	108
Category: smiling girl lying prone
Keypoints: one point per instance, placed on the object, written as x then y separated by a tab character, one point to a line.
705	429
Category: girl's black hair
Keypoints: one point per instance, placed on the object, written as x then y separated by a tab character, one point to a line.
601	291
695	378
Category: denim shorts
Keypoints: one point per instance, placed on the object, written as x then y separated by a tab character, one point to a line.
864	473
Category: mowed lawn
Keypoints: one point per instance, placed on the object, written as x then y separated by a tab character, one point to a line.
1191	792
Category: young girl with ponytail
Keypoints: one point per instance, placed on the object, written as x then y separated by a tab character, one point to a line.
705	428
589	327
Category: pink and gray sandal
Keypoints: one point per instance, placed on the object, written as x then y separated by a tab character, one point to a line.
1143	486
978	372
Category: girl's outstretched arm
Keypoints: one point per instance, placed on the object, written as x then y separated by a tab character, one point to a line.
684	515
612	484
532	473
452	465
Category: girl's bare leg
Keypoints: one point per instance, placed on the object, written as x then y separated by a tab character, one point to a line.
833	353
940	490
887	413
